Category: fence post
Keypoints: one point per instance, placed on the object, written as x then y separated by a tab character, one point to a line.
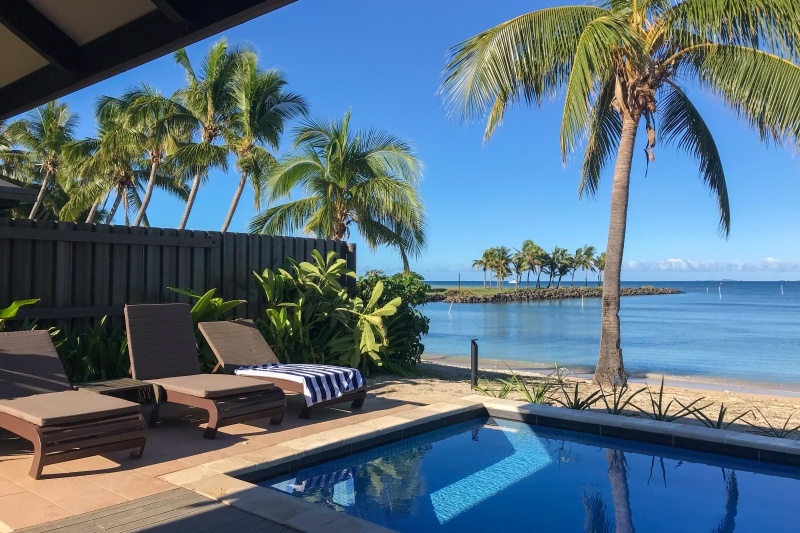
347	251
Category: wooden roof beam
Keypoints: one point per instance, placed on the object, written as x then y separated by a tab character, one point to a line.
36	30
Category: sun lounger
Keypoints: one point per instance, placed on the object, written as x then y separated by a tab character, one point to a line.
162	348
38	403
241	349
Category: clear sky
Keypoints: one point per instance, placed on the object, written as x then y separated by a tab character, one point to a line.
383	61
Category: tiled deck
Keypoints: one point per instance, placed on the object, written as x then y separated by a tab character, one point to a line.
171	511
94	483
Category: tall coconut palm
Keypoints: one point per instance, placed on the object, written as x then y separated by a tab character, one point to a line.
519	266
625	63
500	263
364	178
262	107
587	262
152	125
208	100
533	258
482	264
600	267
43	134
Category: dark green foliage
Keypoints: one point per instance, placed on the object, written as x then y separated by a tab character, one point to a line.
310	318
406	327
619	398
207	309
574	400
719	421
661	411
98	353
780	432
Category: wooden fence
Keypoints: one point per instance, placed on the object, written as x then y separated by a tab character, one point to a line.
82	272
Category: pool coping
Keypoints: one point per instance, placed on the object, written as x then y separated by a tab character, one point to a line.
231	480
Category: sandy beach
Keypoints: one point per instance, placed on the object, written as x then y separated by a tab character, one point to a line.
442	378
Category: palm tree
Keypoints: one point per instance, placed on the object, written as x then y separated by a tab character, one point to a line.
500	263
262	107
482	264
587	262
153	126
577	262
600	266
366	178
43	134
533	258
615	62
208	100
519	265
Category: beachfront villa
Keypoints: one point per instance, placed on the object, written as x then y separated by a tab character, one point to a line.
195	380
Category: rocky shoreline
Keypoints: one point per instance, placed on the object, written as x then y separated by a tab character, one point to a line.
524	295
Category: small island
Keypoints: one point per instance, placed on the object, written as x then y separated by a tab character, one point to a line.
471	296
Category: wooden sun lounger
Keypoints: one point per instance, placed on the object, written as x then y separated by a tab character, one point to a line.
162	348
239	344
38	403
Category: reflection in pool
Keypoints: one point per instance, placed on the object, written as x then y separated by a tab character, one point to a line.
487	474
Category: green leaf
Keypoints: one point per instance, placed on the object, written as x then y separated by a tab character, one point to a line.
11	310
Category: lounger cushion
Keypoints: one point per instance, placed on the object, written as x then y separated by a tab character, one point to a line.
212	385
57	408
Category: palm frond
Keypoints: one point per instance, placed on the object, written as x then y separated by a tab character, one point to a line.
682	125
760	87
605	130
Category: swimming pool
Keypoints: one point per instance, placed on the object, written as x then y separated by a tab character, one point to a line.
487	474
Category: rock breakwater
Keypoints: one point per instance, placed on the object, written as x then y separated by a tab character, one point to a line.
524	295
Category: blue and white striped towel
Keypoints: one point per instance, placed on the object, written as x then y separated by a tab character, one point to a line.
320	382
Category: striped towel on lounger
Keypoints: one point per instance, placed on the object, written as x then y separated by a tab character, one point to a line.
320	382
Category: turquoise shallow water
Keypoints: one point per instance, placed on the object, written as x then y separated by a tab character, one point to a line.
497	474
751	333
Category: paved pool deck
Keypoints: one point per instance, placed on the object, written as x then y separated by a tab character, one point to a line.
209	481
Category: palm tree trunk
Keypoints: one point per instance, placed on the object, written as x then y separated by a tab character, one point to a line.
610	368
40	197
618	479
190	201
528	281
236	196
484	278
126	209
114	207
92	211
151	184
538	279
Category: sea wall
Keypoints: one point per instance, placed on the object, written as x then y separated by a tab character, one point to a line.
523	295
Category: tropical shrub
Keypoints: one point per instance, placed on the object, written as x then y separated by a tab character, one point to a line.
97	353
12	310
207	308
310	317
406	327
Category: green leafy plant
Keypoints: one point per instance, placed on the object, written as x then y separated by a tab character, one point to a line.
574	400
780	432
407	326
207	308
12	310
718	422
310	317
620	398
660	411
100	352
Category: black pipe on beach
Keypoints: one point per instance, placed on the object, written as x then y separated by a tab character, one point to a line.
474	361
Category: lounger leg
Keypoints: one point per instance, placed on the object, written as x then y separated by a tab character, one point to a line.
277	419
213	423
305	412
359	403
37	466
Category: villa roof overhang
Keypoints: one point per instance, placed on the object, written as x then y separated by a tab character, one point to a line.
11	195
49	48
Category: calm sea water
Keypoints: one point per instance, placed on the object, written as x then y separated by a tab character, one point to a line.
749	333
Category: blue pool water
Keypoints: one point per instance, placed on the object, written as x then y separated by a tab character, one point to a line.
488	475
738	331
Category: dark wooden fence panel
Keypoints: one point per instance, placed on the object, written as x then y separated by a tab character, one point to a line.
82	272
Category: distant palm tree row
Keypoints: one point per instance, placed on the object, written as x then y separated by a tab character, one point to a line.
532	259
228	109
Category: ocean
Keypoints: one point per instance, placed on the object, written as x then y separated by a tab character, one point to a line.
732	331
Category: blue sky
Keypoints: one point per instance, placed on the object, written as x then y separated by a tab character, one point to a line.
383	60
